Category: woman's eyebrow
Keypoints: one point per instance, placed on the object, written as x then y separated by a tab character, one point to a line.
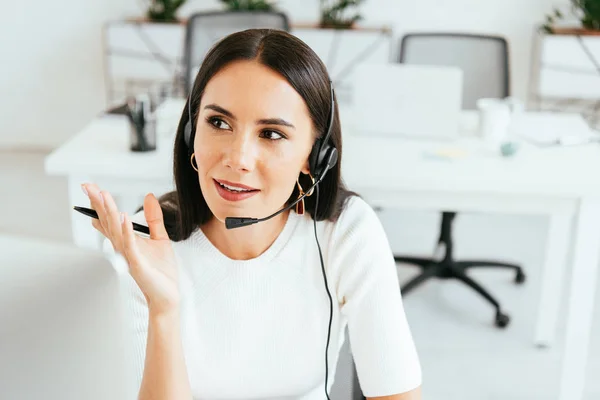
219	109
264	121
274	121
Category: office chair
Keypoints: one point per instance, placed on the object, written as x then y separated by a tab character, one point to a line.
484	61
205	28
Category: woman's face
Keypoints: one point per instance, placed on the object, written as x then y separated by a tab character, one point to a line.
253	138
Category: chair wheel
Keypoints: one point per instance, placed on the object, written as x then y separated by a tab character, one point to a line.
502	320
520	277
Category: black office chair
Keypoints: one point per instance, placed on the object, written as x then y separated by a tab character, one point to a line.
485	65
205	28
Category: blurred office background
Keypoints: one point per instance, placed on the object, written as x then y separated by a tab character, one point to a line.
58	75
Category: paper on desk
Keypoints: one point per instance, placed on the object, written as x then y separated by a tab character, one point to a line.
445	154
546	128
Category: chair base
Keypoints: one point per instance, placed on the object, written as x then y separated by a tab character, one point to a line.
458	270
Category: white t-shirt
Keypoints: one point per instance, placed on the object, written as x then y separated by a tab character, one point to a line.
257	329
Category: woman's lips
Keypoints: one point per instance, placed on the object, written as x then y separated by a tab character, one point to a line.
234	184
233	196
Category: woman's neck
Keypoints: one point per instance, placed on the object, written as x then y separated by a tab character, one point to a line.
247	242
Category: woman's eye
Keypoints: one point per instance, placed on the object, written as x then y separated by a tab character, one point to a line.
272	135
218	123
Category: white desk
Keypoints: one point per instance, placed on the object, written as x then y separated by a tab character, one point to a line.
560	182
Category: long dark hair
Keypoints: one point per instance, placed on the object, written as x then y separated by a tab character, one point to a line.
185	209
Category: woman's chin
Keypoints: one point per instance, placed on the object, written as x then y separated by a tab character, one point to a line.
223	212
243	209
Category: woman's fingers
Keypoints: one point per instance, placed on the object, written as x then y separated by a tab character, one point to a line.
113	221
97	204
154	218
130	250
96	224
108	222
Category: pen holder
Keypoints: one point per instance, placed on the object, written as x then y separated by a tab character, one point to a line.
142	139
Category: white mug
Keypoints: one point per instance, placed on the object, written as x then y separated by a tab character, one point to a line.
495	116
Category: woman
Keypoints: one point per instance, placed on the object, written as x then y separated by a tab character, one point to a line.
251	312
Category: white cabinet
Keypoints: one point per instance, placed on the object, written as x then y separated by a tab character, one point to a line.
138	55
565	75
570	67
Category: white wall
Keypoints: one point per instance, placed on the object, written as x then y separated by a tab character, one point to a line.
51	80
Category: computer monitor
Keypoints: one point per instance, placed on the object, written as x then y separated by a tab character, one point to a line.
410	101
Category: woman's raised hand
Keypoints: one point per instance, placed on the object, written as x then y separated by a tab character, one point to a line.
152	262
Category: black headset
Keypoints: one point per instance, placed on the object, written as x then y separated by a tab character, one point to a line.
322	158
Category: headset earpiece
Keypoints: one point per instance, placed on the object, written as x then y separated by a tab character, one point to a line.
331	158
321	161
313	158
187	133
323	155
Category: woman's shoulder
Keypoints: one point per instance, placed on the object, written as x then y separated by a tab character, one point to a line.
357	207
356	231
359	253
357	217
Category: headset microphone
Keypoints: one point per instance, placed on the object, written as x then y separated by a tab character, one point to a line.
238	222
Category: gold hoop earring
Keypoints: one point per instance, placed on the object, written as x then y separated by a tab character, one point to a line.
312	184
300	205
192	161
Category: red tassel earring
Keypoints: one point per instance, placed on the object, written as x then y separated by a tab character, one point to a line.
300	204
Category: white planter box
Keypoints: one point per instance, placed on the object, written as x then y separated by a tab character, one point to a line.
146	53
140	54
567	69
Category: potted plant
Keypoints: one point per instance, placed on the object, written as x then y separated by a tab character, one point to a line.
336	14
248	5
163	10
586	11
566	60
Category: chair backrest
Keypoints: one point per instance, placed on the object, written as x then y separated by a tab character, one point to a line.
483	59
204	29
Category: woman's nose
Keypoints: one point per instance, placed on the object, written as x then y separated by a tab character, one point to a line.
241	154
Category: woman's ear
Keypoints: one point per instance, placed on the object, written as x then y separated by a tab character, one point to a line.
305	169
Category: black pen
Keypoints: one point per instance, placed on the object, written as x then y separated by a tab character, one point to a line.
91	213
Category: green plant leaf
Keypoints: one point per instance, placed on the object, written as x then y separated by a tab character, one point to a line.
334	13
163	10
589	11
248	5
